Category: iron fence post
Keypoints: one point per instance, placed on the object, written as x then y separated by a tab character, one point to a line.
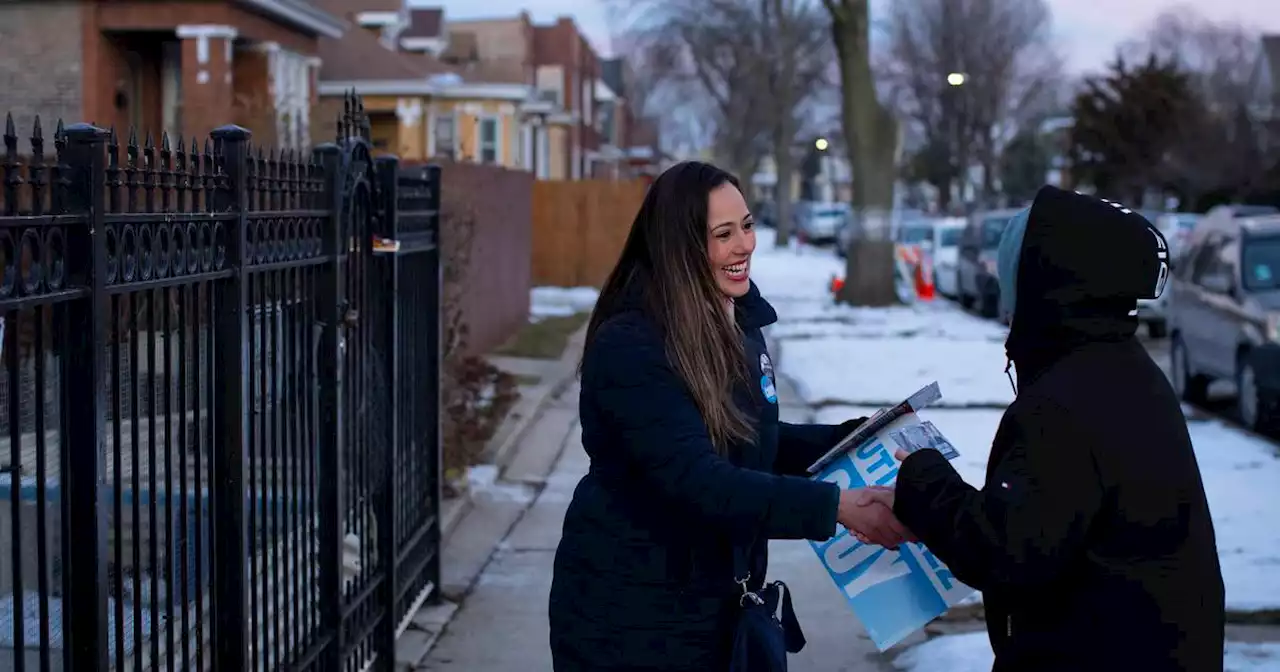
230	529
388	174
433	346
329	380
83	329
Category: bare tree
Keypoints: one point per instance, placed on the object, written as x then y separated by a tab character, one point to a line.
746	66
967	74
1227	151
872	141
704	56
798	44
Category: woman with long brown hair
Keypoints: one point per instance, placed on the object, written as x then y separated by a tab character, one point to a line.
690	466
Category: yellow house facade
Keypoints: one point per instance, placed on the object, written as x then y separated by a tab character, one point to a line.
503	124
500	124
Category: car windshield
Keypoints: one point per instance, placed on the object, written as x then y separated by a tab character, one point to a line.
1260	260
950	237
992	229
912	235
1261	263
1242	211
827	212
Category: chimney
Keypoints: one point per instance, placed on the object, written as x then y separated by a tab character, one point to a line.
377	23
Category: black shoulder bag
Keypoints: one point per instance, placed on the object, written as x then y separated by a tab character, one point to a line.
767	628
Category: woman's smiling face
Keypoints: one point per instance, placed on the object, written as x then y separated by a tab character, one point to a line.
731	239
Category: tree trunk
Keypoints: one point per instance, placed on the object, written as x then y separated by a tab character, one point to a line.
783	169
871	136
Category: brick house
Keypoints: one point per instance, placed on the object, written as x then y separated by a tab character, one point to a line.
502	52
568	70
181	66
430	94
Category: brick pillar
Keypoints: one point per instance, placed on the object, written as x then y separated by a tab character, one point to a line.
207	67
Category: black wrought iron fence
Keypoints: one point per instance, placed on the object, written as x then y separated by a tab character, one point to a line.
208	349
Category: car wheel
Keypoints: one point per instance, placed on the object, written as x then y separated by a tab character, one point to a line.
1157	329
1249	400
1190	386
990	305
966	301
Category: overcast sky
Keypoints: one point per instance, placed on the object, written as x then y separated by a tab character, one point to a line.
1087	31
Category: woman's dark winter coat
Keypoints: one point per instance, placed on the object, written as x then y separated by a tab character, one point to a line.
644	572
1091	540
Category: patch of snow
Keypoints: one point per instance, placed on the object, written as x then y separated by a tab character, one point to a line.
547	302
1240	473
885	370
971	652
483	485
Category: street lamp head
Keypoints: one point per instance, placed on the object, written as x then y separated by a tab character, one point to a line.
821	144
955	79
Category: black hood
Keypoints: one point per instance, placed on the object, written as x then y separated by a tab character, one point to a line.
1084	264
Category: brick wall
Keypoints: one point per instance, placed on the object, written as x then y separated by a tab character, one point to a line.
496	298
40	63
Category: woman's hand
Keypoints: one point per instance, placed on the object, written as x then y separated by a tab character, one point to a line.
846	428
868	514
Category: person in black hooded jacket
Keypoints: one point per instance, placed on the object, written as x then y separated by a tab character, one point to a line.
1091	539
689	462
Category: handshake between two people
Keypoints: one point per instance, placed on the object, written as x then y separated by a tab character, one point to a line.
867	513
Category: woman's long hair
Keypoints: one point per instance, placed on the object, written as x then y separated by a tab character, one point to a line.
665	262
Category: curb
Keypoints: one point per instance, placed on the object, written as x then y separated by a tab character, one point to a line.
514	429
500	455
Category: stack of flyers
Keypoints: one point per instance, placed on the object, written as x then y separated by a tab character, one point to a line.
924	435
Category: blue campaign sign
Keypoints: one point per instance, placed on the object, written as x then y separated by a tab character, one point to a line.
893	593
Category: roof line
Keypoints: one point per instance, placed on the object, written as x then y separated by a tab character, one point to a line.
301	14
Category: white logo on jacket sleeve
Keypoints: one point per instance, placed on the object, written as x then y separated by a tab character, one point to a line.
767	386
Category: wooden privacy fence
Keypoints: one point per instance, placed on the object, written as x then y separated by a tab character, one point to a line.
579	229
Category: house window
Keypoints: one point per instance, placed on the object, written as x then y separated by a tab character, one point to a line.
443	133
488	140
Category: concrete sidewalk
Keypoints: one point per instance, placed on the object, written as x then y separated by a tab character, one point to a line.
501	626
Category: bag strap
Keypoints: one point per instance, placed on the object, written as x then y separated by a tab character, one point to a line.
742	573
792	635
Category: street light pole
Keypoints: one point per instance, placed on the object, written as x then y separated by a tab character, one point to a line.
955	80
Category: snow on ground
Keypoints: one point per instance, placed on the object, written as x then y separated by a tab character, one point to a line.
560	301
883	370
852	361
892	352
1240	473
971	652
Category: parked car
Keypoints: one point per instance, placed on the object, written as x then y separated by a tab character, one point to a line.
1176	227
915	232
976	283
822	222
1224	312
947	232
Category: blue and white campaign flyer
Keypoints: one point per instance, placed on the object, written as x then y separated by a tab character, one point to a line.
893	593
